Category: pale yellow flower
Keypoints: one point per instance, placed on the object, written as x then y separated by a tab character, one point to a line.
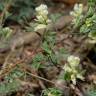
73	61
92	41
79	76
42	19
41	7
78	9
42	10
49	94
7	29
71	69
73	78
67	68
77	13
40	26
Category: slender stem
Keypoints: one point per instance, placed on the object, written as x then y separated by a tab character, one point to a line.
6	6
45	35
41	78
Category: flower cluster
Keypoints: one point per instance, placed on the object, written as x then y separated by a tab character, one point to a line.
77	12
72	69
78	9
42	19
73	61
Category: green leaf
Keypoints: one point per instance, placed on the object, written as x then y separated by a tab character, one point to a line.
55	17
37	65
38	58
16	73
92	93
46	48
52	92
92	2
6	88
84	29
